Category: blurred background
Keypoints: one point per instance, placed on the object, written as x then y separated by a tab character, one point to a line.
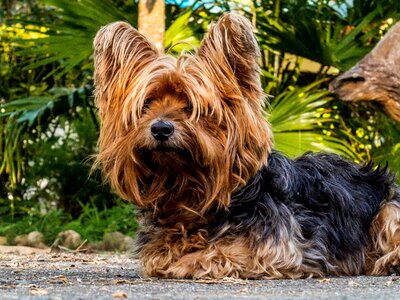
49	125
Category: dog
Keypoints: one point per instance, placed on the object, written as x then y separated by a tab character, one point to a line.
186	140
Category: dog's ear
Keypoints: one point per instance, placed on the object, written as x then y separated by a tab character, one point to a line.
230	50
120	52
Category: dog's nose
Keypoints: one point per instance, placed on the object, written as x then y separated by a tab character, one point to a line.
162	130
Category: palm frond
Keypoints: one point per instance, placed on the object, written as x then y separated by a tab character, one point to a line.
180	35
18	117
301	122
312	39
69	39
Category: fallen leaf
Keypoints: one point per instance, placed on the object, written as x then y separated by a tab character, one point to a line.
324	280
58	279
8	286
389	282
120	281
120	295
38	292
353	283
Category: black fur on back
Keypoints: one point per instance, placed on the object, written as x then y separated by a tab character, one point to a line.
332	199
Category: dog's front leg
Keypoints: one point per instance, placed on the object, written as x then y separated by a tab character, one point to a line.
220	259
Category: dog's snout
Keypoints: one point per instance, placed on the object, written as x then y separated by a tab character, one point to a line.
162	130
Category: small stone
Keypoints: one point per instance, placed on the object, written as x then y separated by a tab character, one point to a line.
116	241
69	239
129	244
33	239
3	240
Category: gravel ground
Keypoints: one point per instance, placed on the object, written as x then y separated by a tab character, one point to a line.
105	276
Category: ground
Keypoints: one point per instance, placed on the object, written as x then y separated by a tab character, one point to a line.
27	274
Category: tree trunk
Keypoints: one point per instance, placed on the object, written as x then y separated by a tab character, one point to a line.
151	21
376	77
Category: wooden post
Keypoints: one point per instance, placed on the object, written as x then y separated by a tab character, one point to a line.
151	21
376	77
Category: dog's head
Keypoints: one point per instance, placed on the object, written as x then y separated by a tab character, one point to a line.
179	127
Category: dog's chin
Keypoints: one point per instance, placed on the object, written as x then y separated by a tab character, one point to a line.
166	156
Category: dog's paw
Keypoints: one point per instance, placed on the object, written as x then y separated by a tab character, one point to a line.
188	267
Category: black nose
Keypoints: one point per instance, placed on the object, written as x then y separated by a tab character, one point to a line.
162	130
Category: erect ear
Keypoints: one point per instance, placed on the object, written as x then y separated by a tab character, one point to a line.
230	50
120	52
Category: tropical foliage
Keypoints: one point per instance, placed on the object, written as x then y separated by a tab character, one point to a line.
48	121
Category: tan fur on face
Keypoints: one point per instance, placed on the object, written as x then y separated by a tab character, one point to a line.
214	98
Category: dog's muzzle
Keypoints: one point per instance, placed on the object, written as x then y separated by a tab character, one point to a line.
162	130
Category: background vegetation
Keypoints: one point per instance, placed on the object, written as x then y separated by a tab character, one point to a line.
48	121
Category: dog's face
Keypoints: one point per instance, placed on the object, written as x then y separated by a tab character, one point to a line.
178	127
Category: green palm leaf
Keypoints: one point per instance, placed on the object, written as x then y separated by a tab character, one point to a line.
300	121
310	38
69	40
182	32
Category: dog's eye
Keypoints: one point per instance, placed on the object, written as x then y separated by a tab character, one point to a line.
188	108
146	104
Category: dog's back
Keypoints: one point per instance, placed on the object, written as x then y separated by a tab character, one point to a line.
326	202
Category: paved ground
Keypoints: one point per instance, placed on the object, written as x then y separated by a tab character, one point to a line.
84	276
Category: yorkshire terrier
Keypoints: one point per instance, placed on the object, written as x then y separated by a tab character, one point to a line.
186	140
